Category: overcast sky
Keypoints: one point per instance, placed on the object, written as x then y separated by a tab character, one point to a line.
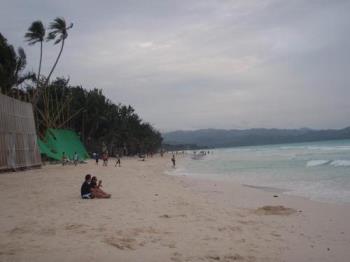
203	64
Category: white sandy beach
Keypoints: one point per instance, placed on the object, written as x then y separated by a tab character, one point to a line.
156	217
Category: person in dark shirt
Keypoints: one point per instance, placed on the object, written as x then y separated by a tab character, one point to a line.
86	188
173	160
96	157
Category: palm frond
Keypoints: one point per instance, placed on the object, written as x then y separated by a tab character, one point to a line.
26	76
21	60
57	41
58	30
59	24
36	33
51	36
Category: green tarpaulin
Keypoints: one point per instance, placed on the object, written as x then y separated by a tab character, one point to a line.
57	141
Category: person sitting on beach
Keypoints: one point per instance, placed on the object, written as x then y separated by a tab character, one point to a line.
96	189
86	188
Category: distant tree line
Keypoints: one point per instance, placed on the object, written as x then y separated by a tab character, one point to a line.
181	147
101	124
215	138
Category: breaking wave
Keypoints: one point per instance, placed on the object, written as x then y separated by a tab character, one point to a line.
317	163
334	163
340	163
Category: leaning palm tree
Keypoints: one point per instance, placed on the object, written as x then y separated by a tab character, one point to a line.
59	33
36	34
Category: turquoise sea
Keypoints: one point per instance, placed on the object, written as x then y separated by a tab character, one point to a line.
316	170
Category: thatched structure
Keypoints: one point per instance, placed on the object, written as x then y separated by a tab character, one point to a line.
18	140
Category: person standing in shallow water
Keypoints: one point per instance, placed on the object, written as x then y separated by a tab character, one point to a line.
173	160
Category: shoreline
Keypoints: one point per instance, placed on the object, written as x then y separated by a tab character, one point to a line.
220	178
266	189
314	229
157	217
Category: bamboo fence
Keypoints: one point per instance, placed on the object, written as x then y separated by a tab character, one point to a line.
18	140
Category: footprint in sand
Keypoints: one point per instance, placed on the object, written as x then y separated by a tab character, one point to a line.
275	210
171	216
171	245
127	238
146	230
122	243
18	230
177	257
48	231
10	252
226	258
230	228
73	226
76	228
247	222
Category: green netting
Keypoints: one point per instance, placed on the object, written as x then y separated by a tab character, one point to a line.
57	141
44	150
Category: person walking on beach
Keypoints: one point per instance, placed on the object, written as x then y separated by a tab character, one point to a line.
117	162
75	158
173	160
96	157
105	159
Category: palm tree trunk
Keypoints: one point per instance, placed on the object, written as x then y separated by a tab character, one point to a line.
41	56
54	66
35	100
35	93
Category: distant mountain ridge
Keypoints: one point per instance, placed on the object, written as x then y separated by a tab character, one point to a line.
249	137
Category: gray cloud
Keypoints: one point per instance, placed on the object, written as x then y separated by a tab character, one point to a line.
199	64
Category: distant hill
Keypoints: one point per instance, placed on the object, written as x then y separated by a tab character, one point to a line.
259	136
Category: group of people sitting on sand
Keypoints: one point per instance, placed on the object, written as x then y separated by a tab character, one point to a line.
65	160
92	189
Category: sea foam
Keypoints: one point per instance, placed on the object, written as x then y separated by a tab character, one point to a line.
340	163
312	163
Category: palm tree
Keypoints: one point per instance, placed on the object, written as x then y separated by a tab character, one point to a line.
59	33
36	34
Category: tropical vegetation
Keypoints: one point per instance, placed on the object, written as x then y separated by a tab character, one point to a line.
100	122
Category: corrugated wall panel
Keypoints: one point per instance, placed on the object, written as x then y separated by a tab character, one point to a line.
18	140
